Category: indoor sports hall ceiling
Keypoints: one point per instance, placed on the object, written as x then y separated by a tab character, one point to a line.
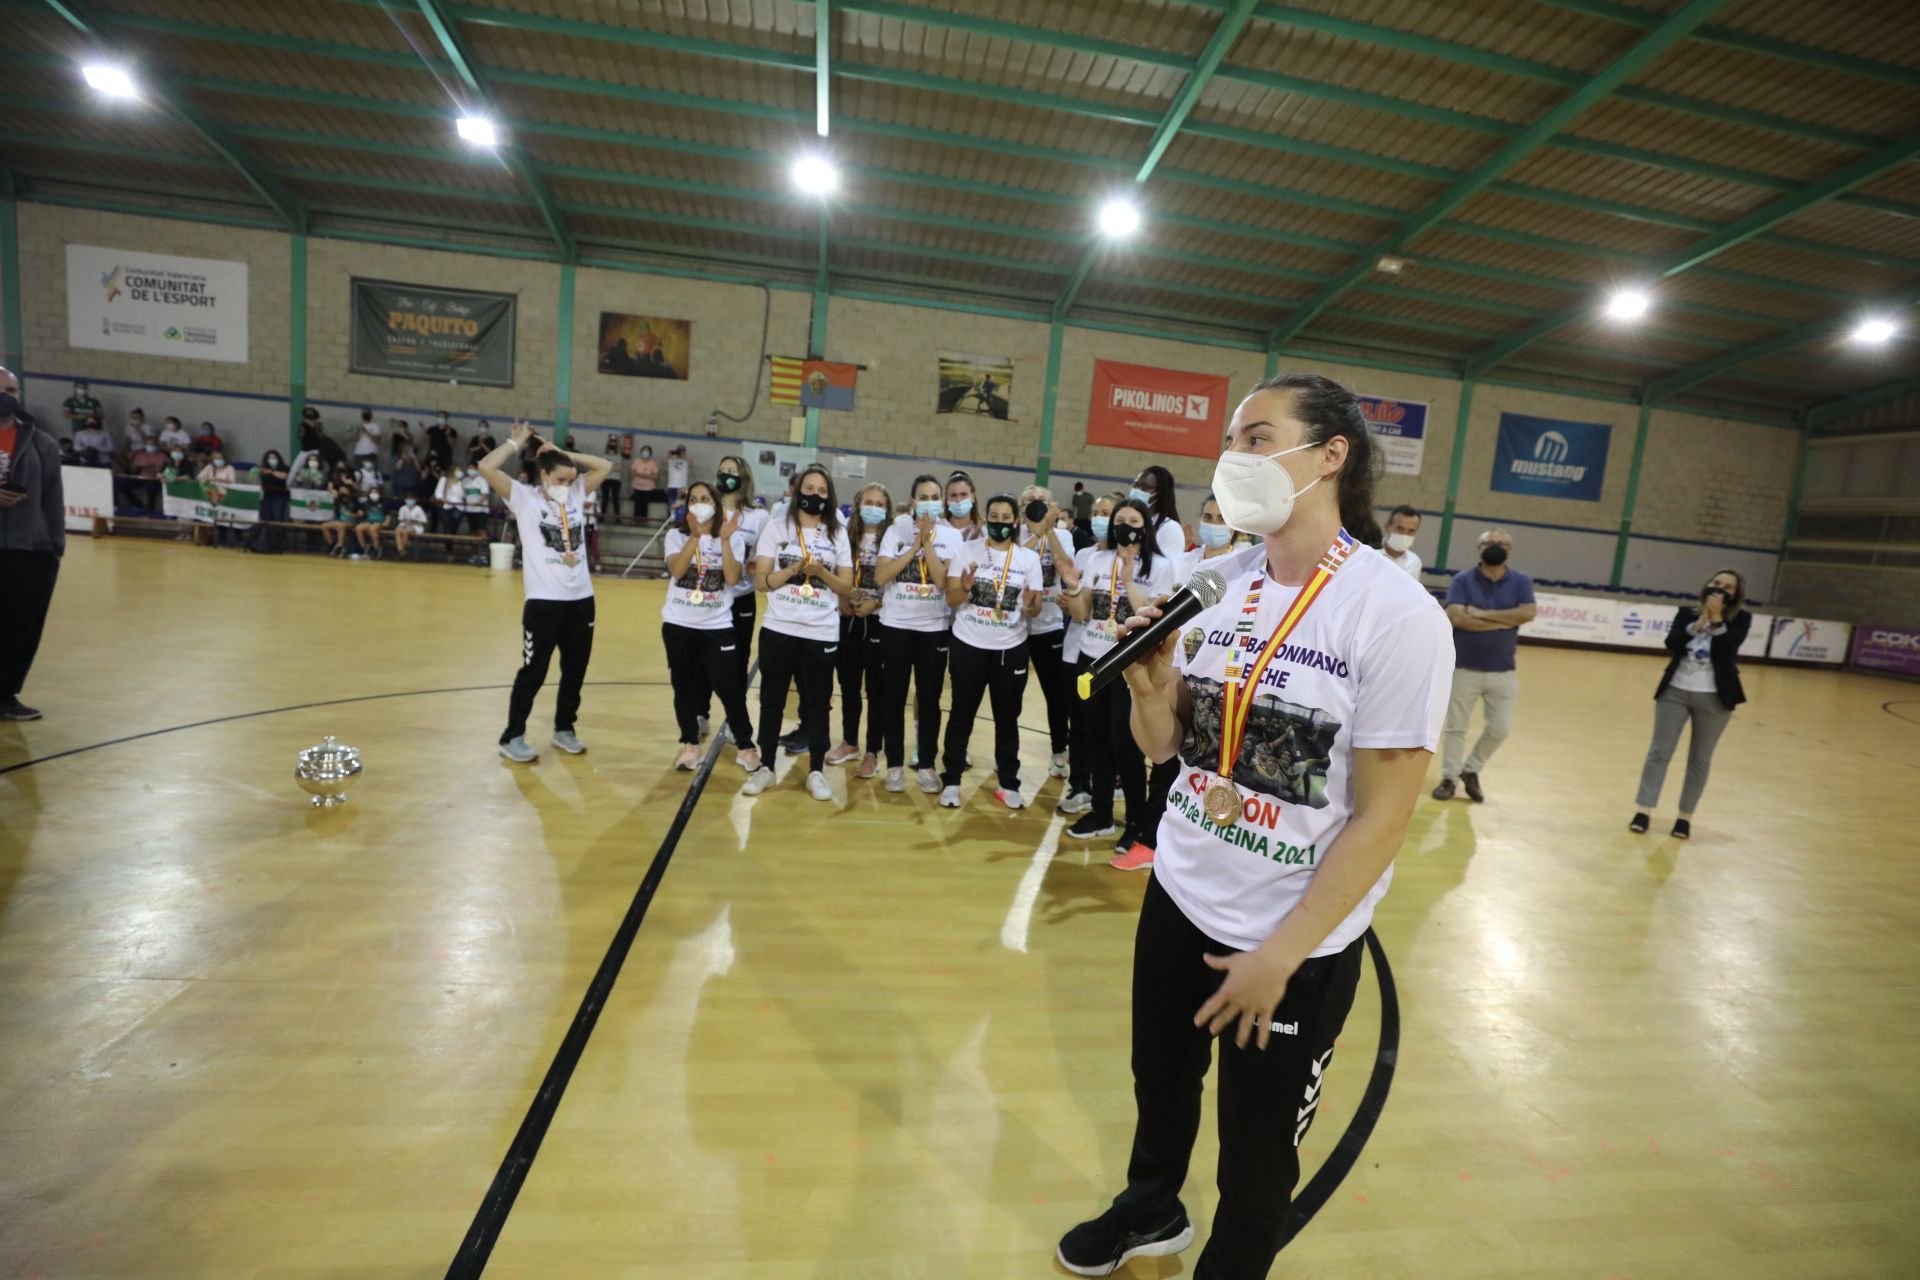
1750	162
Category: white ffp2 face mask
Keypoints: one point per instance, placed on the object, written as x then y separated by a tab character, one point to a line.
1400	541
700	511
559	492
1256	497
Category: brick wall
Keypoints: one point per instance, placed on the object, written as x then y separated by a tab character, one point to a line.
1854	593
1715	480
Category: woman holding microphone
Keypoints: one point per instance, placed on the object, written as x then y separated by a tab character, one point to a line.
1267	874
911	570
1701	685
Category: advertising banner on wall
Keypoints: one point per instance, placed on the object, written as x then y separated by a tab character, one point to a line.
1894	649
974	384
1136	406
645	346
1629	624
1809	640
89	493
238	503
155	304
435	334
1550	458
1399	429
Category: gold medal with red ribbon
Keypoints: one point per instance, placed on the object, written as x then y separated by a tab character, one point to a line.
1242	684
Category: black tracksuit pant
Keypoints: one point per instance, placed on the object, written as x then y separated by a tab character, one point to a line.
701	665
1115	755
1001	674
1049	672
919	657
26	586
546	625
786	660
858	663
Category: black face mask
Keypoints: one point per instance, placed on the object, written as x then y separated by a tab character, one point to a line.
1722	592
1494	555
9	405
1125	535
729	482
1036	510
1000	530
814	504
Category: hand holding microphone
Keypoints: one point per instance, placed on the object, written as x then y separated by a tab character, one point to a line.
1155	637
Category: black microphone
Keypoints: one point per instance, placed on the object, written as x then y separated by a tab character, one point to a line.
1202	592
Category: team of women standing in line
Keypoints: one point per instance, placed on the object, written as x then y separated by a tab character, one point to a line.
944	591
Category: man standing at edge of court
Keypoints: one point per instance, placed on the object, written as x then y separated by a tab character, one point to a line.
1402	526
33	537
1488	604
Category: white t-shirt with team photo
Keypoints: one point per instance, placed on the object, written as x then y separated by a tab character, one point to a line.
706	578
992	617
1369	666
1051	617
753	522
1109	608
916	600
865	546
791	610
550	532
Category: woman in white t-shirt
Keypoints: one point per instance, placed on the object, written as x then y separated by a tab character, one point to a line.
858	662
994	588
1081	726
963	511
1044	532
1153	487
804	564
1276	846
1216	540
734	480
706	555
1118	579
915	629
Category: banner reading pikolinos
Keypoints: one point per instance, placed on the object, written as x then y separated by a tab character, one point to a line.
156	304
1137	406
440	335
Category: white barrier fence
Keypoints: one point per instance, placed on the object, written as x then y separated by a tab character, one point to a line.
1635	624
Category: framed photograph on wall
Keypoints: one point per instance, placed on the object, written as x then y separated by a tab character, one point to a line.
975	384
645	346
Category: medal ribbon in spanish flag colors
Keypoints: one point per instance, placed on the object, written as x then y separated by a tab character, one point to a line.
1243	679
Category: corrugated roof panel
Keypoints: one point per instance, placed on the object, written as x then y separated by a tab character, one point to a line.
1534	216
1310	175
1572	269
867	39
1843	276
1883	30
188	201
1867	230
1435	276
1715	142
161	171
1786	309
422	211
989	118
1395	73
1174	26
145	130
1447	318
1520	29
874	226
664	70
1131	299
1741	79
1387	334
1652	187
1311	119
1902	183
712	242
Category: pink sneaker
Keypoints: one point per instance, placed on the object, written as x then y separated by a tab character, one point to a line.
869	765
1136	857
689	757
842	753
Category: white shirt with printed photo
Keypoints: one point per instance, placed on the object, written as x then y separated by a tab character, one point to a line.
1110	605
915	600
795	610
706	577
551	531
992	617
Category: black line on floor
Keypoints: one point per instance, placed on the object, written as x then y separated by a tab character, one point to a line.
498	1202
301	706
1346	1152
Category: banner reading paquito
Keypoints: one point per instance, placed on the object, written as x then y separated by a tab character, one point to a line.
440	335
1137	406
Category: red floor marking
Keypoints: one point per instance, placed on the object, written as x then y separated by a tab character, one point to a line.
1466	1177
770	1159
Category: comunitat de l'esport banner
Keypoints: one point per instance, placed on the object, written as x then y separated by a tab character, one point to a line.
156	304
426	332
1809	640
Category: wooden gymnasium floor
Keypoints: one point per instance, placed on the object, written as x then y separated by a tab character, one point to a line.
874	1039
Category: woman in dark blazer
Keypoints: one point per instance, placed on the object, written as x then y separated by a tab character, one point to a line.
1701	685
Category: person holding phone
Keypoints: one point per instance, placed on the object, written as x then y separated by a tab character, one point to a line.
1045	533
1700	687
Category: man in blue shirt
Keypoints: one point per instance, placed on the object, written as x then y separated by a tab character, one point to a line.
1488	605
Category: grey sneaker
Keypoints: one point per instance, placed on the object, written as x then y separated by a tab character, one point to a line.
929	781
757	781
1078	802
567	742
14	709
518	751
896	780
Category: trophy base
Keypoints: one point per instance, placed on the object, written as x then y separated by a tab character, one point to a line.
327	802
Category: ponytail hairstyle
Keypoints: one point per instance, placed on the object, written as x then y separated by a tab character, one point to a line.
744	494
1328	409
830	521
1147	546
886	504
973	517
686	509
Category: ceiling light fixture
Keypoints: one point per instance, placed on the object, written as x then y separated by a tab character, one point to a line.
1628	304
1388	265
1119	217
478	130
816	175
1874	331
109	80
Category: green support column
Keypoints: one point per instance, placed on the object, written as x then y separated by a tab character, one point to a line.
297	343
1633	494
13	351
1273	360
817	333
1049	400
563	361
1453	471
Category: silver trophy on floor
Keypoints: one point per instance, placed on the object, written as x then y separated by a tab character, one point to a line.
326	771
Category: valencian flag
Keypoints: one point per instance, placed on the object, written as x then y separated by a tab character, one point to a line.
812	384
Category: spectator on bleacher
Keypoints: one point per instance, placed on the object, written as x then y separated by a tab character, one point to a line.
677	473
440	438
450	496
145	468
402	438
95	447
366	438
1487	604
136	430
276	507
478	448
179	467
366	472
643	474
408	522
217	471
406	474
79	407
610	487
1701	686
315	441
33	537
173	435
334	532
371	517
1402	524
68	458
312	473
1082	505
207	442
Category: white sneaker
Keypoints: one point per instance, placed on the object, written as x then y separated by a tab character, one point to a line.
747	758
1011	799
842	753
1078	802
817	786
950	798
689	758
929	781
1058	768
757	781
896	780
565	740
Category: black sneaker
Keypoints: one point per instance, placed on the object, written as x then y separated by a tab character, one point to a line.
1104	1245
794	743
1091	827
1445	790
1470	783
1682	829
1639	824
13	709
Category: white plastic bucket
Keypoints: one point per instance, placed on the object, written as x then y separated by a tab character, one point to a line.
500	555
